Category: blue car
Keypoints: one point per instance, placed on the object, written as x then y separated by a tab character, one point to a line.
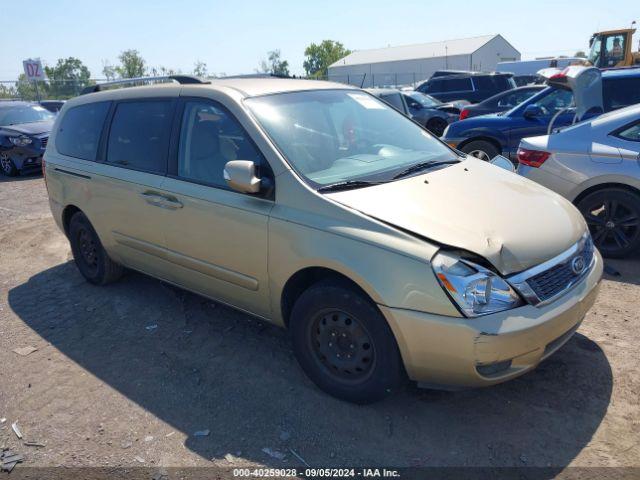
489	135
24	133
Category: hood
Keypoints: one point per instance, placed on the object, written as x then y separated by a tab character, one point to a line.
512	222
34	128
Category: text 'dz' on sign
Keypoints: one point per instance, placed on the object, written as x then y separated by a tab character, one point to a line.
33	69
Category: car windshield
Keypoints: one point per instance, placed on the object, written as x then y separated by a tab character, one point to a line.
424	99
24	114
335	136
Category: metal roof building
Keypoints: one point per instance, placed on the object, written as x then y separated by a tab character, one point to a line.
409	64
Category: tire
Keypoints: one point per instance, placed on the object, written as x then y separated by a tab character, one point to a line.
481	149
89	254
7	166
344	344
613	216
436	126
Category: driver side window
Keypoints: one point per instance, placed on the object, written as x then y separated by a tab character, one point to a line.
555	101
209	138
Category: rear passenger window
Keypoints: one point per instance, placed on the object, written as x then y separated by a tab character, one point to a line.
139	135
209	138
457	84
631	133
80	129
620	92
395	100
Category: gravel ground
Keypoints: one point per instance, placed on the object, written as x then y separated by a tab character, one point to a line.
126	375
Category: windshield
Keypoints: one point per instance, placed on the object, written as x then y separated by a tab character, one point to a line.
332	136
24	114
424	99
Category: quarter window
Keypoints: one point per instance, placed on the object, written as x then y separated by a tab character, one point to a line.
139	135
209	138
631	133
80	129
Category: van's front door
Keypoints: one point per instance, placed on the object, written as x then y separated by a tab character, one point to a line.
217	239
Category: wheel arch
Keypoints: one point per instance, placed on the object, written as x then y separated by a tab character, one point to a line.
305	278
604	186
482	138
68	212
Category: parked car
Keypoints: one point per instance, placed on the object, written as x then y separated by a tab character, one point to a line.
491	135
501	102
320	208
595	165
473	87
24	132
430	112
53	106
393	97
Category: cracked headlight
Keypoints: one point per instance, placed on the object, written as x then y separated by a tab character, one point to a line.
475	289
20	141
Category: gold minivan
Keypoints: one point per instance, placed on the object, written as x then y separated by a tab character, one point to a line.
321	209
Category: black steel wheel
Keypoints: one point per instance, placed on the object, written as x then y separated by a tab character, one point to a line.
613	216
90	256
344	344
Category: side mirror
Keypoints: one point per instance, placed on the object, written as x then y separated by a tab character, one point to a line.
503	162
532	111
241	176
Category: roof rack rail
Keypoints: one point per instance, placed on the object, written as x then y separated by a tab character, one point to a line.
181	79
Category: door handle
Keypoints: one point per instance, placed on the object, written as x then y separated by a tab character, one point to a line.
162	201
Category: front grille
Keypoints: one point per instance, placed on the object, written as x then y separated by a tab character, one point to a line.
44	141
558	278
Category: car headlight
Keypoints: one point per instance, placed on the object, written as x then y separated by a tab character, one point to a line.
475	289
20	141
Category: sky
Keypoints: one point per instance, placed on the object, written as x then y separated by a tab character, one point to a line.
233	36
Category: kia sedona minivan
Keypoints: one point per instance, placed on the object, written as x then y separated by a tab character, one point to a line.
322	209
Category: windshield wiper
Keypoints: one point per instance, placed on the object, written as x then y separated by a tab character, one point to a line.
421	166
346	185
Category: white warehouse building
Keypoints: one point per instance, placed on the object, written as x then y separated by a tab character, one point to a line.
410	64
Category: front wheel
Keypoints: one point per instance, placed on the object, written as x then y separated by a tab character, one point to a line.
481	149
613	216
344	344
7	166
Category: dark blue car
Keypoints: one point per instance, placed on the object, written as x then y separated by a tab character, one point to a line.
489	135
24	132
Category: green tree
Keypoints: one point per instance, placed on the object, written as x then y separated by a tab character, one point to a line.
132	65
274	65
26	90
580	54
67	78
200	69
319	57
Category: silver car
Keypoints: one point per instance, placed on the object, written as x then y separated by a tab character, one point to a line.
596	165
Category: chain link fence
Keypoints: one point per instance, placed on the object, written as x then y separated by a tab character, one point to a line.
43	90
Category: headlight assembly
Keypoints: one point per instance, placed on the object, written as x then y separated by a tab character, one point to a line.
475	289
21	141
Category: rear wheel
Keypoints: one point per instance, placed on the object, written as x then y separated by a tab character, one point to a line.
481	149
7	166
436	126
344	344
613	216
89	254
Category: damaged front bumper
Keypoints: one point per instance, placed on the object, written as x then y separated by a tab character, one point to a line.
451	352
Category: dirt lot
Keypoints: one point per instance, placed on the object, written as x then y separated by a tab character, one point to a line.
126	375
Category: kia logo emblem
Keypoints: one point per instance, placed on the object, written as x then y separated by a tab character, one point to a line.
577	265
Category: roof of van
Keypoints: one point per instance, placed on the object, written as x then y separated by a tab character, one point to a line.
247	87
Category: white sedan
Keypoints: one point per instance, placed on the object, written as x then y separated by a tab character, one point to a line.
596	165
